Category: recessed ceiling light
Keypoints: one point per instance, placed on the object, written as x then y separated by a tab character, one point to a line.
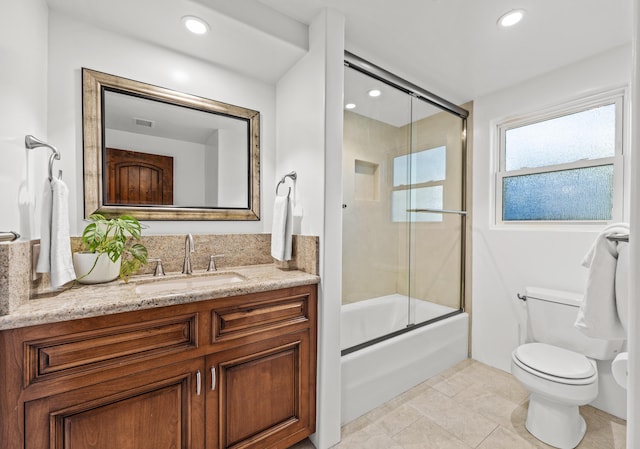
374	93
350	106
510	18
195	24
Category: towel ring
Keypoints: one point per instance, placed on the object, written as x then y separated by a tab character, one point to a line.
54	156
293	175
32	142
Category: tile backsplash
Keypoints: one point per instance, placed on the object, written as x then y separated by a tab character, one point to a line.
16	286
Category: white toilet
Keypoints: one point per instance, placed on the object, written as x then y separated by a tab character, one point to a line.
557	367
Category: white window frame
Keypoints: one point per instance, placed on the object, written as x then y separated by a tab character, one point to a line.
617	97
409	187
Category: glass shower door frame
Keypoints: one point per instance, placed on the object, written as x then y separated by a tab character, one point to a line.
368	69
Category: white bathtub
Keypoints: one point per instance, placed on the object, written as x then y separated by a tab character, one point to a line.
373	375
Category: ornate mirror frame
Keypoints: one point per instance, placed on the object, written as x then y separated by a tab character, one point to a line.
93	86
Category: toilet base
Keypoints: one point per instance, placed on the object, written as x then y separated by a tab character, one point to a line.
558	425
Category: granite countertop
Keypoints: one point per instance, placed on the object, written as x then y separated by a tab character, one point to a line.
83	301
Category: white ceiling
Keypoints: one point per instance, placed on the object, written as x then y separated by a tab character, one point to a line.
393	107
263	49
452	48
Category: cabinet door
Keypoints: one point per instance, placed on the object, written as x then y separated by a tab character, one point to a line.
261	395
157	409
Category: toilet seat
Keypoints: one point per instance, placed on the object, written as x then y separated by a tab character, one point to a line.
555	364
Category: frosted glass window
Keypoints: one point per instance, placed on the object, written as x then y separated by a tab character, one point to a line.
420	167
589	134
580	194
417	198
563	165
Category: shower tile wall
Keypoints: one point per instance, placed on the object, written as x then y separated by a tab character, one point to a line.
436	260
376	258
370	255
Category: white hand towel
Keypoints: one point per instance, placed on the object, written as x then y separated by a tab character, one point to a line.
55	247
44	259
281	229
615	228
622	285
598	315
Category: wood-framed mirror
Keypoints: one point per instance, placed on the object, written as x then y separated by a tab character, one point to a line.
160	154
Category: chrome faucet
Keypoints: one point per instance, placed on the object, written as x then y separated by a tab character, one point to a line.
189	247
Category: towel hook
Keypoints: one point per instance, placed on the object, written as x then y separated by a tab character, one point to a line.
293	175
32	142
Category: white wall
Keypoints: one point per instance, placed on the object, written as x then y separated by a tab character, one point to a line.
73	45
300	133
309	136
232	167
23	107
505	261
212	166
331	246
633	385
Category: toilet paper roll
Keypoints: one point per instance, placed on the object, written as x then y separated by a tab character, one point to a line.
619	368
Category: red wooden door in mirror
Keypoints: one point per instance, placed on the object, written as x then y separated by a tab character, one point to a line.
138	178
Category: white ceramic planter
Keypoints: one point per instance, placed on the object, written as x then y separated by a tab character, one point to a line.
104	271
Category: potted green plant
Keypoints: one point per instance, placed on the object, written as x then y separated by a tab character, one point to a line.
111	248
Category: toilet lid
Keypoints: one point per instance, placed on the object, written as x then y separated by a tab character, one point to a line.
555	361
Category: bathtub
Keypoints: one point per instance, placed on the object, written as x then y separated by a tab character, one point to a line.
375	374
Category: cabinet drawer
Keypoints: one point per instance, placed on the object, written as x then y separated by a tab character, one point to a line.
95	349
246	319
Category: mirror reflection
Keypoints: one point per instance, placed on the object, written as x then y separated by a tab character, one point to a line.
162	154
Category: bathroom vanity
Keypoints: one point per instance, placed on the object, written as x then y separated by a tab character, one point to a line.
213	366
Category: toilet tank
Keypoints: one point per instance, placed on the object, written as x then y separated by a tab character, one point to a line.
551	314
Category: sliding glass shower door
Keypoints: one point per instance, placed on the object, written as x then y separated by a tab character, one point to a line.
435	214
403	210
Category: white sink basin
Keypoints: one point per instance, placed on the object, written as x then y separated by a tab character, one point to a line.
189	283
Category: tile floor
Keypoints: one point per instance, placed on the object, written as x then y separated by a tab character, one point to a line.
468	406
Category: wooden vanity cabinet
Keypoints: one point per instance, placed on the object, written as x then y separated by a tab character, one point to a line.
149	410
259	395
226	373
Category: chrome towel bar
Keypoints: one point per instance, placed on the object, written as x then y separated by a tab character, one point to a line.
8	236
439	211
618	237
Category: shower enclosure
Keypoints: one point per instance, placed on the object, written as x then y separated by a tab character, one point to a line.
404	212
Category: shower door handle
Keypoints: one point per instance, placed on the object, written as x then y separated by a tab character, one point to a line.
439	211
